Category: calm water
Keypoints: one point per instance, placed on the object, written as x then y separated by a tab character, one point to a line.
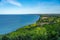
9	23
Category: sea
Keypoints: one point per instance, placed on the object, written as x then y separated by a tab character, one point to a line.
10	23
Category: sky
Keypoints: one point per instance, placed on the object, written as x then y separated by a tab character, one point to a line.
29	6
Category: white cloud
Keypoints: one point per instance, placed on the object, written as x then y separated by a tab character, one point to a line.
13	2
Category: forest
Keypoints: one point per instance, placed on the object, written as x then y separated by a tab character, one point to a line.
46	28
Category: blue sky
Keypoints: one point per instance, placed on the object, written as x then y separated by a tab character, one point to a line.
29	6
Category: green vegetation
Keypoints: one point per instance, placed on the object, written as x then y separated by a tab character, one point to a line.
46	28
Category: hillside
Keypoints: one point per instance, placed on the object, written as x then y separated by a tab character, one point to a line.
46	28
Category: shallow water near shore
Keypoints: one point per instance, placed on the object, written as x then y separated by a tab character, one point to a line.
9	23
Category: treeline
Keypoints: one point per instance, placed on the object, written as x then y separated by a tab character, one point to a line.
46	28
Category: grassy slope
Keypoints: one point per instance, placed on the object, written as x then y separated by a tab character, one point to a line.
46	28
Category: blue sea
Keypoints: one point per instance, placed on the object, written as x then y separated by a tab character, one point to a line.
10	23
